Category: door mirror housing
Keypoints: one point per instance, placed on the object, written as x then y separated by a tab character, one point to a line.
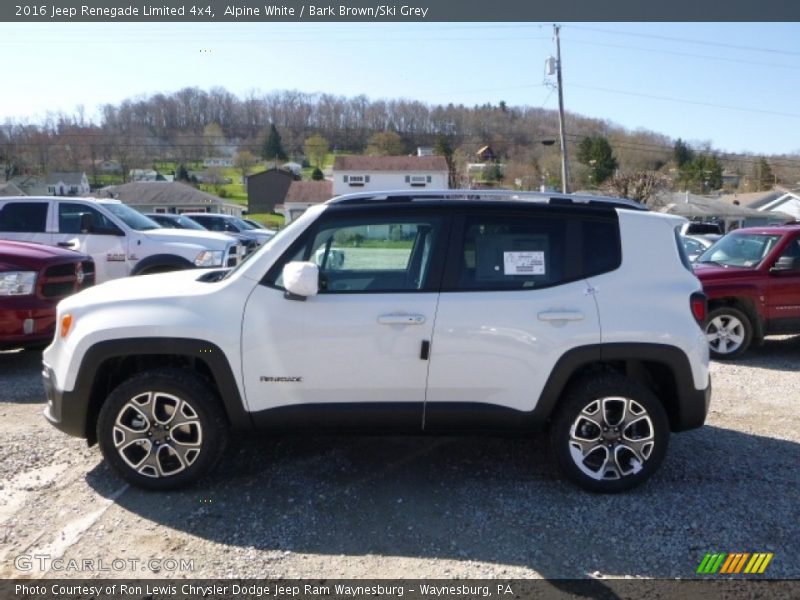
301	280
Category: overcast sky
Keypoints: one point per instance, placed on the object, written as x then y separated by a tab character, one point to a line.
734	85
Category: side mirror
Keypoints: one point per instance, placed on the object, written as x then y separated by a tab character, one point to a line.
785	263
301	280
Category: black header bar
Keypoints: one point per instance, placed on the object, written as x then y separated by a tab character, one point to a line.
417	11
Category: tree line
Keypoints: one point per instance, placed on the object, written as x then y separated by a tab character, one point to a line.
191	124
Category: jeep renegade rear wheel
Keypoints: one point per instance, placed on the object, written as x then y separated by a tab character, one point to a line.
610	433
162	429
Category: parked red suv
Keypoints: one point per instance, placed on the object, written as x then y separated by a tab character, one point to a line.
33	278
752	280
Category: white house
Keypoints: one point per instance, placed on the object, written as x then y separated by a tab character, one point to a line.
383	173
61	183
788	203
218	161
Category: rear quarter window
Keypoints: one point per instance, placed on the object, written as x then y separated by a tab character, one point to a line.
521	251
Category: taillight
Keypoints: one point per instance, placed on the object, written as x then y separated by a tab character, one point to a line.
699	305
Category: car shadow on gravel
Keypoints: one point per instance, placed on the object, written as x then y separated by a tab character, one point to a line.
489	500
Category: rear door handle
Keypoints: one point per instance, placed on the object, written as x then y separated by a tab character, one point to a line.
561	315
403	319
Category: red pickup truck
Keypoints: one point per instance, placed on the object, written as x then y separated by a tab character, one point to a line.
752	280
33	278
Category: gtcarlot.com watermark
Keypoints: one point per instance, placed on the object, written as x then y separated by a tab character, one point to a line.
47	562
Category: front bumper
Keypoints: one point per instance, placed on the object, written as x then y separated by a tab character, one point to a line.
24	326
66	411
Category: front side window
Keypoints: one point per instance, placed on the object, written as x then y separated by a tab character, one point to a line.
79	218
23	217
368	255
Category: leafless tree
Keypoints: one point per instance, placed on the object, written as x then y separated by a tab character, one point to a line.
639	186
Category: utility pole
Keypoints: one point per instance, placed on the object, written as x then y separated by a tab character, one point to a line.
561	127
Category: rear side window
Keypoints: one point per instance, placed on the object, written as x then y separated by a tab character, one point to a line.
24	217
518	252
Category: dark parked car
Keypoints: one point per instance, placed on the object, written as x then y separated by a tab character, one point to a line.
231	224
33	278
173	221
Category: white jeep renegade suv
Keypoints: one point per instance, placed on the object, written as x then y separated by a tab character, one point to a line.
441	312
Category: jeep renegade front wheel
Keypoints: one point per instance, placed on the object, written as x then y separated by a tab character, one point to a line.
162	429
609	434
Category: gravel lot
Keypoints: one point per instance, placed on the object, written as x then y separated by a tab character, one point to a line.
339	507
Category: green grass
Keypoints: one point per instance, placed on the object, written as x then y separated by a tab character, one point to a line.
269	220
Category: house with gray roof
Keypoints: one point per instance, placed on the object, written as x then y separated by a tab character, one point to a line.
168	197
31	185
67	183
9	189
712	210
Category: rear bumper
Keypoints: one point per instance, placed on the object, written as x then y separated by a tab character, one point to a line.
693	408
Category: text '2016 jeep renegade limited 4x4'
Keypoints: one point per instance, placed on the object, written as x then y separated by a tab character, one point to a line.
443	312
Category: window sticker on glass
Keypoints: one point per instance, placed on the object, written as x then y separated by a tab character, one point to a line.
523	263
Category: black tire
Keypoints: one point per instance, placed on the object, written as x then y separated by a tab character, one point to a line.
136	437
733	332
637	440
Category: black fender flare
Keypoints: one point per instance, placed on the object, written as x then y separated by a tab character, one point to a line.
170	261
74	412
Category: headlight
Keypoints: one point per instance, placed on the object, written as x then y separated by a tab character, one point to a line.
17	283
209	258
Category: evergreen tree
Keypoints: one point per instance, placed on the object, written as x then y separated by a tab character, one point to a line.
682	154
317	175
273	149
443	148
764	176
181	174
596	153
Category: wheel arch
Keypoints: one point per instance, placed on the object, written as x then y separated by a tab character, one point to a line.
665	370
107	364
747	305
161	263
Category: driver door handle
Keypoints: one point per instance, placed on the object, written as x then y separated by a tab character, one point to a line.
66	244
401	319
561	315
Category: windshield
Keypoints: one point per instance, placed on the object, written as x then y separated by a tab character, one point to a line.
740	250
133	219
187	223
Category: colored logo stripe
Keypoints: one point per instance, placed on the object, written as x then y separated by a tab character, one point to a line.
731	564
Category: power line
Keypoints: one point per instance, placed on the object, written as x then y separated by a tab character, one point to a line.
686	40
686	101
687	54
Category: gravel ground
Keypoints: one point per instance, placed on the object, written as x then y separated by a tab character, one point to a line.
346	507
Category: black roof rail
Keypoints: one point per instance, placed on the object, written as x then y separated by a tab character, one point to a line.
484	195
